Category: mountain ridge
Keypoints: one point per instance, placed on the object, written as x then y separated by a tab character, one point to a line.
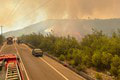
63	27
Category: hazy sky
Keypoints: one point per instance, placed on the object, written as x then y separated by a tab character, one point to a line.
15	14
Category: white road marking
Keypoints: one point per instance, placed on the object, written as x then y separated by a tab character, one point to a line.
22	63
54	69
2	47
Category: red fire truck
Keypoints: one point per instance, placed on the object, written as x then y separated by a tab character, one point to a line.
12	66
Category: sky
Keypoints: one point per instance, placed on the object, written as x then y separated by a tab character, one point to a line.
16	14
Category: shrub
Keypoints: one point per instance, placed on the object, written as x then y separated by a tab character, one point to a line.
96	60
69	56
71	62
80	67
115	66
62	57
98	76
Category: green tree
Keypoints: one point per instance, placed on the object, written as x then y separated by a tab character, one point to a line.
77	56
86	60
62	57
106	60
115	65
96	60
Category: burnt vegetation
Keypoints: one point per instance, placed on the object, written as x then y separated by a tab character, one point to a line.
95	50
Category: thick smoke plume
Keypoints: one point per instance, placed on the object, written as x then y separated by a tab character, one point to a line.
75	9
31	11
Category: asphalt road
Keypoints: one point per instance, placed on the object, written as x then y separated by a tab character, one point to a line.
42	68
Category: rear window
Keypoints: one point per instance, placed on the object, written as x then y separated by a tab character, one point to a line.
38	50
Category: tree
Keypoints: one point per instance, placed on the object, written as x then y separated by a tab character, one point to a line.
77	56
69	56
115	65
96	60
62	57
106	60
86	60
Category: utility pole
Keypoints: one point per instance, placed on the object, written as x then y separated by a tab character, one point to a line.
1	30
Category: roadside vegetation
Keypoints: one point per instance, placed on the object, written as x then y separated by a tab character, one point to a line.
95	50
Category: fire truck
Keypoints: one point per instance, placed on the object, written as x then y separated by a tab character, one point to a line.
12	67
10	40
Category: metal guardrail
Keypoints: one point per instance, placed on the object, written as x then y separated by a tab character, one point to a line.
31	46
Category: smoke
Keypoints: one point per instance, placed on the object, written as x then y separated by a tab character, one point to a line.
80	9
76	28
31	11
68	9
75	9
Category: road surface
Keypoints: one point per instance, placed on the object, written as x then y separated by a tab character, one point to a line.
42	68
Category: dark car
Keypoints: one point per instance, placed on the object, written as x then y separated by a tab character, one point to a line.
37	52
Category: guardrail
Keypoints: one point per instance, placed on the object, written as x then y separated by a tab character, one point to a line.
81	73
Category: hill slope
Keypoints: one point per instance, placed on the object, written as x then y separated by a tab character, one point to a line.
77	28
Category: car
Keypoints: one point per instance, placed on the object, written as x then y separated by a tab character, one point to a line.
37	52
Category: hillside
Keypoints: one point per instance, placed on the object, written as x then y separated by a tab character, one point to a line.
77	28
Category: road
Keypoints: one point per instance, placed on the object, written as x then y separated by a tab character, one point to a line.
42	68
